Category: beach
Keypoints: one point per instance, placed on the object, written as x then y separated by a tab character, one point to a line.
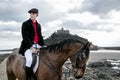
94	58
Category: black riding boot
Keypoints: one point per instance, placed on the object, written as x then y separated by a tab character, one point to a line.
27	72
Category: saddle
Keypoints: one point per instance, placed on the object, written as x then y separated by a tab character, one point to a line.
33	62
32	73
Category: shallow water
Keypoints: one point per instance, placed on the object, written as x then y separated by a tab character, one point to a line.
5	52
99	55
112	56
115	63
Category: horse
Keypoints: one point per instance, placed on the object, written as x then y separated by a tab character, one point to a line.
51	60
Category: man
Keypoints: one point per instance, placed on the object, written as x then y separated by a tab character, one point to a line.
32	39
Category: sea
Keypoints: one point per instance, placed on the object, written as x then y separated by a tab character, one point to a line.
112	56
5	52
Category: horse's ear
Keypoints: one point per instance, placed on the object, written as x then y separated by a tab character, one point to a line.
89	44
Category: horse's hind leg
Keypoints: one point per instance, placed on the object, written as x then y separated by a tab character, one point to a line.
10	73
11	76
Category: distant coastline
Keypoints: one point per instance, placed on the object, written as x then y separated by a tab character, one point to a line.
111	48
7	50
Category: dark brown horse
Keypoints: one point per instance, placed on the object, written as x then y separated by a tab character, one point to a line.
51	60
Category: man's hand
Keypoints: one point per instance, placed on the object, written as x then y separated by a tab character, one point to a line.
34	50
45	46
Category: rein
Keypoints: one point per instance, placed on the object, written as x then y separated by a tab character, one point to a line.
52	67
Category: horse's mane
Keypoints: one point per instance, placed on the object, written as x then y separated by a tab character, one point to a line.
66	42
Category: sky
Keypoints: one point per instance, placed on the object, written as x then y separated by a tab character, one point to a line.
96	20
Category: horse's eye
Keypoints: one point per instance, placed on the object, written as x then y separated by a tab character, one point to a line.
73	66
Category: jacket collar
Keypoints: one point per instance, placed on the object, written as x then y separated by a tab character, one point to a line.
31	21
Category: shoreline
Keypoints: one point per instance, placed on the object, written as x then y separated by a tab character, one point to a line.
98	68
3	57
95	56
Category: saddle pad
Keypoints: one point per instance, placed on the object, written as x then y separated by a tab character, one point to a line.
36	65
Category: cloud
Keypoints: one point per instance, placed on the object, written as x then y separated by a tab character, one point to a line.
100	38
104	38
11	10
13	13
17	10
7	35
95	19
10	26
89	21
64	6
10	30
98	6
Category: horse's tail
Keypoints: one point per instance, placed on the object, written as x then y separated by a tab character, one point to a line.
9	70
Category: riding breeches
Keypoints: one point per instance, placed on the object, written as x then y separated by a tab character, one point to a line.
29	59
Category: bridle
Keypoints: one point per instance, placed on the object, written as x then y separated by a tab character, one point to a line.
82	51
53	68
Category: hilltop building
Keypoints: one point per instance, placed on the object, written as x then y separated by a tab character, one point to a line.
62	31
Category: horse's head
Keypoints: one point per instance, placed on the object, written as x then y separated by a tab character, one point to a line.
76	50
79	60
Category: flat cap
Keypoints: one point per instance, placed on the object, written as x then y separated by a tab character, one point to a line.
33	10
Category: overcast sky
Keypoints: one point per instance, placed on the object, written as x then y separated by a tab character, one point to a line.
96	20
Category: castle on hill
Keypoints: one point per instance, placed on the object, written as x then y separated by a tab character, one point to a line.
62	31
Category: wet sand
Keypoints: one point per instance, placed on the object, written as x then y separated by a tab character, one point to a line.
3	75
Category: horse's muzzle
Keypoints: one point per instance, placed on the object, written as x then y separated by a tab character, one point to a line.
78	77
78	74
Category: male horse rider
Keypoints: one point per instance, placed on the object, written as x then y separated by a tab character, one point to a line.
32	39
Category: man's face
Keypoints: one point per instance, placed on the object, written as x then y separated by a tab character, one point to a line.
33	16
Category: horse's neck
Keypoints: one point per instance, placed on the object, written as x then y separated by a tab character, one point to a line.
58	59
